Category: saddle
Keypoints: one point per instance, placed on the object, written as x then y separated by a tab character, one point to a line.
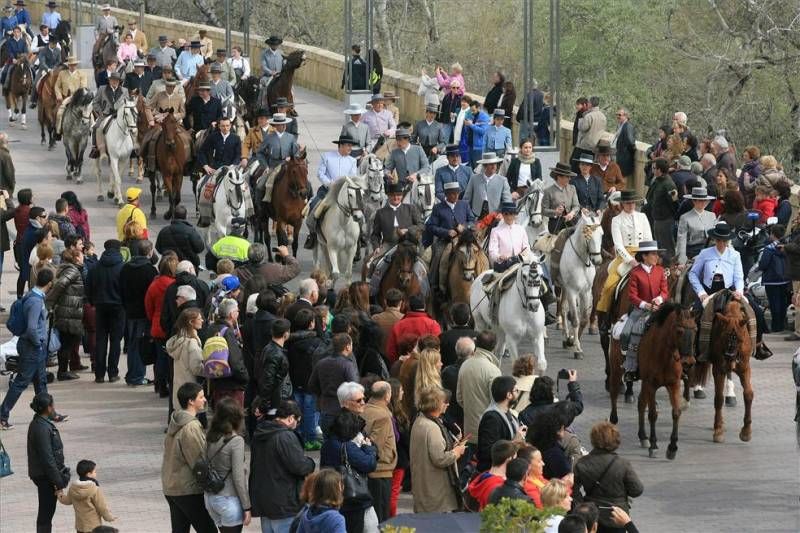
266	183
556	249
377	267
495	284
717	303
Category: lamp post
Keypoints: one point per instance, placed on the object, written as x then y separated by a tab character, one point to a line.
246	27
554	71
359	96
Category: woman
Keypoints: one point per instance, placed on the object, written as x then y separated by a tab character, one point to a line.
239	64
784	209
153	304
690	150
66	298
693	226
446	81
434	455
733	211
770	173
44	259
325	497
492	99
186	350
230	507
21	222
127	50
359	296
77	214
343	301
428	89
546	435
346	440
429	373
523	169
751	170
523	371
461	134
402	433
507	100
722	180
606	478
369	355
556	494
46	459
534	480
656	150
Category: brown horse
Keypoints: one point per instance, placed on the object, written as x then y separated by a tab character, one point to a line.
289	196
400	274
467	262
607	250
105	49
170	160
191	86
730	351
282	85
142	127
19	89
48	106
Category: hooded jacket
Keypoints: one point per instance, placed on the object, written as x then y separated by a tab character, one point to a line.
184	444
89	503
187	355
321	520
304	349
135	278
154	301
102	282
511	490
66	299
278	467
183	238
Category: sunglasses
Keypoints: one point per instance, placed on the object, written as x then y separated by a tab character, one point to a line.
360	400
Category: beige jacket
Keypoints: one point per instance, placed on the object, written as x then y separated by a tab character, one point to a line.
380	431
184	444
69	82
89	503
474	391
188	355
432	490
163	101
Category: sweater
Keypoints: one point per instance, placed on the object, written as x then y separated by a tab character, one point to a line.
326	377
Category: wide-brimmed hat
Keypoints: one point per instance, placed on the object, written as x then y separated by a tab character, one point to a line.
431	108
452	149
162	38
450	186
698	193
216	67
105	7
282	101
603	148
499	112
561	169
115	76
20	2
52	4
139	63
508	207
170	83
274	39
488	158
133	193
279	118
204	86
394	188
195	44
262	113
721	231
354	109
376	97
72	60
222	52
648	246
628	196
345	139
401	133
389	95
586	159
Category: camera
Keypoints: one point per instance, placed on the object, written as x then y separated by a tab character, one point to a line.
563	374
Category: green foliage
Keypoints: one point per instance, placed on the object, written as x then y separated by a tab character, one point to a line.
516	516
398	529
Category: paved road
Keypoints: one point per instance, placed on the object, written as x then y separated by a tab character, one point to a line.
709	487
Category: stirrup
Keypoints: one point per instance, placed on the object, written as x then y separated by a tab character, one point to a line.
311	241
631	376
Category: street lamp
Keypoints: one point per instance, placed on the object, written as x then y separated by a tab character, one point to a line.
358	95
554	69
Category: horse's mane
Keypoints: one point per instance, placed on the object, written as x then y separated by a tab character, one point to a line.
660	316
406	249
294	59
467	237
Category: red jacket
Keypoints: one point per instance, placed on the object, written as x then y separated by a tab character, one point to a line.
21	221
154	302
644	287
766	208
416	323
482	486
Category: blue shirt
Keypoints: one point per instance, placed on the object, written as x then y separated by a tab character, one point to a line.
23	17
7	24
334	166
187	64
51	20
710	262
447	174
497	138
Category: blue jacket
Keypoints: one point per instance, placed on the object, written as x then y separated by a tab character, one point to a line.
497	138
363	459
590	195
784	212
321	520
28	243
445	174
443	219
14	47
478	128
8	23
217	152
773	266
36	319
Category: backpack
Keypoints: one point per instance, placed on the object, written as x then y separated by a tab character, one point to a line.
205	474
17	323
216	355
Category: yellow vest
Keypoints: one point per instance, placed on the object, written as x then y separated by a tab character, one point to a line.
231	247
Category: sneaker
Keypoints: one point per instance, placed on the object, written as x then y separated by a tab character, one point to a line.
58	418
312	446
143	381
5	425
67	376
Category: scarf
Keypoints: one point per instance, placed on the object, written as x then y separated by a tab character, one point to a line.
449	443
508	418
528	161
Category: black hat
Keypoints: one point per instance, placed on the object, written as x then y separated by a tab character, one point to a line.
584	159
721	231
195	44
394	188
238	222
452	149
20	2
508	207
163	38
561	169
273	39
52	4
628	196
221	51
262	113
345	139
282	101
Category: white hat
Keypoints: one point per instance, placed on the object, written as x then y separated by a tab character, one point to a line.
280	118
489	157
354	109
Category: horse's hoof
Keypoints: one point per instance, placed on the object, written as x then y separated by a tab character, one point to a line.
570	341
645	443
699	394
79	181
152	213
167	215
69	177
730	401
745	434
651	453
671	453
613	418
629	398
578	355
685	404
719	437
100	198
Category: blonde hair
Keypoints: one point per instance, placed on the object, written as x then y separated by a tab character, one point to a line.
44	251
457	67
554	492
225	266
428	373
768	162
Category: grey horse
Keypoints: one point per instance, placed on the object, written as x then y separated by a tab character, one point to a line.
77	122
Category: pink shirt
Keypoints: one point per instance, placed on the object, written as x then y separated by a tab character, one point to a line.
507	241
126	52
445	80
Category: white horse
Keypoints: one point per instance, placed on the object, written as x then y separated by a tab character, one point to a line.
580	257
371	169
530	211
422	195
338	231
120	140
231	199
520	315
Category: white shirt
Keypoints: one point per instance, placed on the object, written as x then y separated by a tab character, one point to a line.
524	173
394	211
334	165
629	230
225	137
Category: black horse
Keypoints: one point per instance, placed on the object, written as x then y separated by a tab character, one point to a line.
248	89
63	34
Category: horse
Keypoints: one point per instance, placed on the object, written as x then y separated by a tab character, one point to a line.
530	210
401	274
467	262
171	160
281	86
339	229
202	74
612	210
289	197
247	91
19	88
120	140
371	167
231	199
48	107
105	49
422	195
63	34
142	127
77	128
577	266
520	314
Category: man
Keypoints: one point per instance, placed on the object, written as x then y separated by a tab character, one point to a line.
51	17
8	22
791	249
379	429
625	143
588	187
185	274
307	298
221	148
134	280
181	237
15	48
447	222
255	136
184	445
498	137
272	59
101	77
429	134
31	346
327	376
278	145
105	104
188	62
379	120
607	170
220	88
203	110
155	112
454	171
406	160
23	17
152	67
498	421
48	57
486	191
106	22
355	128
60	217
104	292
415	322
165	54
475	380
68	81
725	158
41	40
227	326
662	200
206	44
512	489
482	486
589	513
227	70
591	126
354	77
628	229
709	164
393	221
682	175
560	202
304	348
460	352
460	317
530	111
271	368
508	240
278	467
8	180
139	80
283	105
139	38
332	166
131	212
27	242
391	314
159	85
258	274
233	246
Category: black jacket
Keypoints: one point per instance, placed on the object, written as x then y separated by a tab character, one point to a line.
454	413
256	334
512	174
169	311
492	97
304	349
133	81
134	279
239	376
278	467
183	238
271	369
491	429
626	149
102	282
448	340
46	453
511	490
534	409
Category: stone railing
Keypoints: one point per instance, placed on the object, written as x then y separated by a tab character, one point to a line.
321	72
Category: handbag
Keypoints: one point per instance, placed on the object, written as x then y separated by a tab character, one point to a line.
5	462
355	484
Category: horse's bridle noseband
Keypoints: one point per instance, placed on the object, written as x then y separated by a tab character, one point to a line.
348	210
530	281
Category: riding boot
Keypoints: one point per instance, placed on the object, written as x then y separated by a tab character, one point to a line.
631	376
95	153
311	241
549	298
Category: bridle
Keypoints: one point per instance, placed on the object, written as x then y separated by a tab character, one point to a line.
531	201
587	231
127	123
530	287
354	193
236	188
469	266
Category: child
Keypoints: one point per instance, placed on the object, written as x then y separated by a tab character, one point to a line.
87	499
764	203
773	266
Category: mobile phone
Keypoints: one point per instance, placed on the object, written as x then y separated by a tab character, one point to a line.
464	439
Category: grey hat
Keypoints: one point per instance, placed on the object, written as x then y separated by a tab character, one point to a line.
431	108
354	109
401	133
499	112
216	67
489	158
115	76
585	159
698	193
453	185
139	63
376	97
648	246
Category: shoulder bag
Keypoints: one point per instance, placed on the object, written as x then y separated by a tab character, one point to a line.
355	484
5	462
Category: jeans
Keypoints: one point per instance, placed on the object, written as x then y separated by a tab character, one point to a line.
778	296
187	512
226	511
136	329
47	505
110	328
308	404
276	526
31	368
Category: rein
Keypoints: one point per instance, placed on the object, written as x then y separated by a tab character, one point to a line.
589	254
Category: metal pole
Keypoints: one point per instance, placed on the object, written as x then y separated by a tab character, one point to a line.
141	15
348	37
527	32
246	27
368	40
555	73
228	26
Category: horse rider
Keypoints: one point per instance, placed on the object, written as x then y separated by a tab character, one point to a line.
165	54
101	78
8	23
498	138
69	80
23	17
560	200
429	133
228	73
159	84
106	22
105	104
41	39
333	165
139	38
507	240
393	220
588	187
283	105
222	147
406	160
694	225
454	172
447	222
355	127
379	120
188	62
51	17
48	57
647	291
206	44
628	229
239	64
151	66
203	110
272	59
138	80
279	144
233	246
15	47
487	190
220	88
169	98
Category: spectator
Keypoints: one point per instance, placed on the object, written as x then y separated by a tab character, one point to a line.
256	333
498	422
772	264
534	479
605	477
181	237
725	159
307	296
379	429
455	413
556	494
784	209
87	498
733	211
523	370
764	203
492	99
625	143
346	442
402	433
792	251
258	275
460	317
135	278
662	198
325	498
77	214
506	102
434	454
66	298
572	524
369	354
104	293
475	380
185	274
184	445
331	372
771	175
416	321
751	170
429	373
589	513
482	485
543	398
511	489
131	212
546	434
186	352
272	367
407	349
387	318
591	127
27	242
622	520
607	170
154	301
227	326
304	349
61	217
42	255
